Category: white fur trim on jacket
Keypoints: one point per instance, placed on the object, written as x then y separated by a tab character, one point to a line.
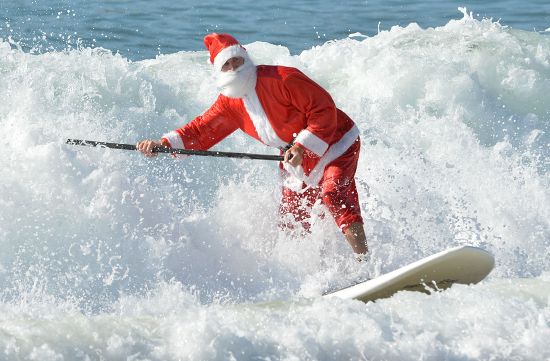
295	179
174	139
312	142
261	123
333	152
228	53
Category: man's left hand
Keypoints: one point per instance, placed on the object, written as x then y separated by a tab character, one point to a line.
294	155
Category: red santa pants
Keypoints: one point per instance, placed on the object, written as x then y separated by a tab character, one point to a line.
336	189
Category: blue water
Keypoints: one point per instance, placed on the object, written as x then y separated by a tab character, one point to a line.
141	29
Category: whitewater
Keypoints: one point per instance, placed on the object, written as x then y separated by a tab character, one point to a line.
108	255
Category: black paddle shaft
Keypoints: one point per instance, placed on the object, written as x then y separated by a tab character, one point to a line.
205	153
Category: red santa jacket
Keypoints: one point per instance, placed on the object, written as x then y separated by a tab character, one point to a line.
286	107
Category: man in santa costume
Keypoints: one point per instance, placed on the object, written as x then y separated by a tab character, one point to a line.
282	108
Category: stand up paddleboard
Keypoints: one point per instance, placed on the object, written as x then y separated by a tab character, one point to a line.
463	264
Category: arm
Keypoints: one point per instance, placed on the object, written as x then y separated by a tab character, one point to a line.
319	109
206	130
201	133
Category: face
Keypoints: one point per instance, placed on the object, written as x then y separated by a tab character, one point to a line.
233	64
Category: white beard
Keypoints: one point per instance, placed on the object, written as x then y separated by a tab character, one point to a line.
237	83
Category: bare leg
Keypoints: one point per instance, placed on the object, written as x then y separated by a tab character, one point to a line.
355	234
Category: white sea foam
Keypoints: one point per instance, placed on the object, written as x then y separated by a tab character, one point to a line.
108	255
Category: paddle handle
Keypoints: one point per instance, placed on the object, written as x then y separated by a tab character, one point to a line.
204	153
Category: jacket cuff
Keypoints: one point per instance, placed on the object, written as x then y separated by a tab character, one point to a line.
312	142
174	139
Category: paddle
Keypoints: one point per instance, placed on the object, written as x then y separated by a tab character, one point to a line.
206	153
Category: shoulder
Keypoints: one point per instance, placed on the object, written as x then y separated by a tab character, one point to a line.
226	102
223	104
277	71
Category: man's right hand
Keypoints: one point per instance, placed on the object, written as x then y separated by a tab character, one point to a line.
146	147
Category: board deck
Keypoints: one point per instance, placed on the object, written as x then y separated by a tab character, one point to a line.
463	264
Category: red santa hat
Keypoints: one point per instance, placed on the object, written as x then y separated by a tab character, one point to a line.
223	47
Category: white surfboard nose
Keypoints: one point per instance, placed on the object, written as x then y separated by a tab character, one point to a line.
462	264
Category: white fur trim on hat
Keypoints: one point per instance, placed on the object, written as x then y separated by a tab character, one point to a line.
312	142
228	53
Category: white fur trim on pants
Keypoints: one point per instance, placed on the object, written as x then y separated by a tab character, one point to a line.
312	142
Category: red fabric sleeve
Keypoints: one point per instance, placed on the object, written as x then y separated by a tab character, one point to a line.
209	128
319	109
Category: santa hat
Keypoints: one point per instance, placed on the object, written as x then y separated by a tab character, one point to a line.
223	47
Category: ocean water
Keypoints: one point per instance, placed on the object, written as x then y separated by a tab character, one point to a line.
142	29
107	255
